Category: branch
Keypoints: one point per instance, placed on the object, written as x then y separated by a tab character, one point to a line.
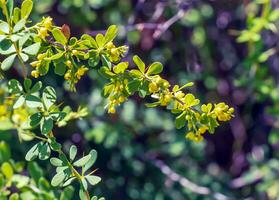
184	182
159	28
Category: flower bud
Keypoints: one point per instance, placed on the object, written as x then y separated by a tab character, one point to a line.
111	110
68	63
74	52
35	74
153	87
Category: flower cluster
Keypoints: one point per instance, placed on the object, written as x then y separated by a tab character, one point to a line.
10	117
159	88
147	81
115	53
45	27
117	90
5	106
66	53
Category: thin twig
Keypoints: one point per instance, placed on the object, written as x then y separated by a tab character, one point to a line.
184	182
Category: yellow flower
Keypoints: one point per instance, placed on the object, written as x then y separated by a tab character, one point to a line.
153	87
121	99
223	112
202	129
3	111
111	110
194	137
20	115
35	74
165	100
67	76
35	64
41	56
43	33
110	45
74	52
47	23
81	71
68	63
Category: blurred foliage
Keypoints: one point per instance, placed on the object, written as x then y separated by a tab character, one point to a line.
229	49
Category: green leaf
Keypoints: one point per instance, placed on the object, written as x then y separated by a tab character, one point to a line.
133	86
19	102
49	96
33	101
180	121
56	162
152	105
16	15
23	40
10	6
92	160
90	40
2	37
84	183
94	60
7	170
111	33
15	196
32	153
68	192
5	152
63	168
26	8
44	67
60	68
73	41
82	194
58	116
55	145
58	179
24	56
4	27
73	152
57	56
7	47
155	68
35	171
69	181
15	37
8	62
35	119
14	87
143	89
100	39
44	151
121	67
93	180
140	64
107	90
105	61
36	87
59	36
32	49
81	162
46	125
106	73
19	25
27	84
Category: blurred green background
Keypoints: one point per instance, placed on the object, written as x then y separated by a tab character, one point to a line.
140	153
